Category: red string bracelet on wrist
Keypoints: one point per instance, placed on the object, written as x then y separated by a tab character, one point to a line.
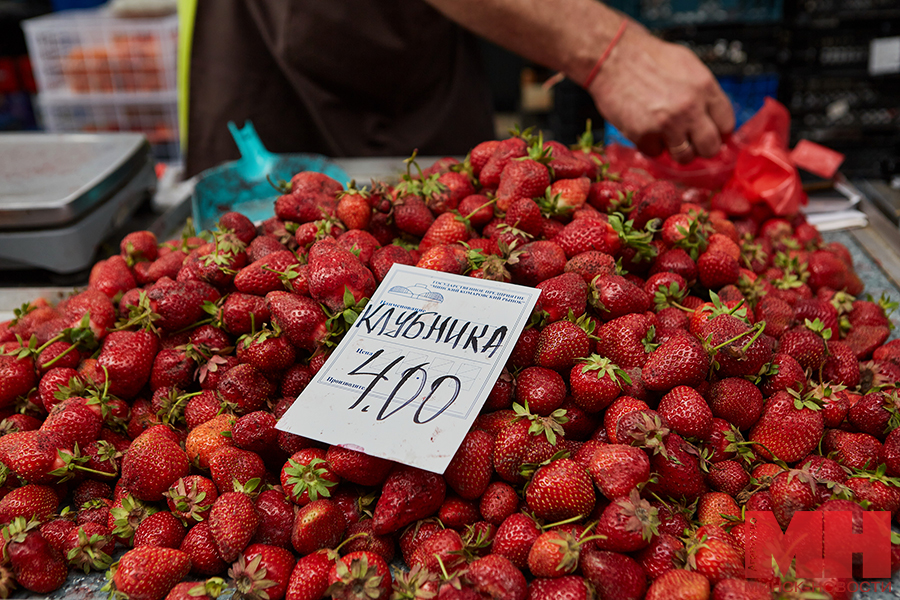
605	55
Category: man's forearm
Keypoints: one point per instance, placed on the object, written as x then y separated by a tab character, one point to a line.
566	35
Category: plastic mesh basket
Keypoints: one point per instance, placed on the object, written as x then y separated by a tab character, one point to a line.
91	52
154	115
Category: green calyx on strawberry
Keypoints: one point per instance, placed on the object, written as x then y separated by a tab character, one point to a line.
738	445
638	240
605	368
72	462
340	322
586	142
353	190
650	434
570	547
309	478
188	501
88	554
842	303
818	327
17	530
172	407
879	474
286	276
549	426
752	252
80	337
227	245
670	295
20	312
127	517
551	205
791	265
415	584
527	470
735	347
808	400
358	577
536	150
640	515
720	308
695	238
250	578
417	185
753	289
140	315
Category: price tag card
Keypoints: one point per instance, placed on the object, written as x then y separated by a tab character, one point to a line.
410	376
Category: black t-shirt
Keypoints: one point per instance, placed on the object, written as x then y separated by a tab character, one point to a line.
337	77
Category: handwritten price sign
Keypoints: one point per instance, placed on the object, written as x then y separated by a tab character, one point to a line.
410	376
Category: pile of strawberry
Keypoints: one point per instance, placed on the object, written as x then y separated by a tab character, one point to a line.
691	357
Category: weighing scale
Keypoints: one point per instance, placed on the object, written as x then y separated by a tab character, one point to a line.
62	195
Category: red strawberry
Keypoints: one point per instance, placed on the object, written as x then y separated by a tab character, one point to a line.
310	194
232	522
200	546
470	471
618	469
679	584
301	319
678	470
625	340
412	216
151	465
686	412
354	208
191	497
595	382
37	566
629	523
29	502
680	360
262	568
525	178
504	152
89	546
448	228
148	573
541	389
111	276
736	400
717	269
360	571
713	553
267	274
334	271
661	555
788	428
657	200
139	245
408	494
538	262
496	577
242	313
306	476
613	575
588	235
560	490
32	455
514	538
498	502
569	586
527	439
161	529
309	579
128	359
317	525
740	589
555	553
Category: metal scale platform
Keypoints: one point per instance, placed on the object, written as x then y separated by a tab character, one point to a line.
61	195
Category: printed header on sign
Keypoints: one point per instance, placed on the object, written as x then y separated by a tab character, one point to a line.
411	374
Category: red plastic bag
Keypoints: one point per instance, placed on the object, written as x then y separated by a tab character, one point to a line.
764	172
712	173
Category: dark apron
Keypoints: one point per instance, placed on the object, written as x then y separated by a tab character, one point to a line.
337	77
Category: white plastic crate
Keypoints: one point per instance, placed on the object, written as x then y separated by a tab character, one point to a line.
153	114
91	52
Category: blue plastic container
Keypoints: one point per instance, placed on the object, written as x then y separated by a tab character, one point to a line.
243	185
59	5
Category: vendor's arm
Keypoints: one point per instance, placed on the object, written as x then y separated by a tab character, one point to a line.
658	94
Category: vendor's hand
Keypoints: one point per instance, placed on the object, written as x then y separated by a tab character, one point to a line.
661	96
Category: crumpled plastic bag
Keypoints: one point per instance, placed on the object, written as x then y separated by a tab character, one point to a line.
755	161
